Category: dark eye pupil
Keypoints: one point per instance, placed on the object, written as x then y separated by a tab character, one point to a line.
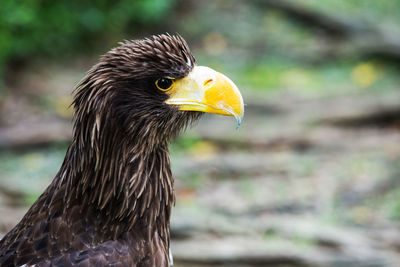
164	83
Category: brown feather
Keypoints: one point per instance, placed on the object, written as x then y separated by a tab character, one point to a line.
111	200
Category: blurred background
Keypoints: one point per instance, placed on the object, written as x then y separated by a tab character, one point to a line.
311	177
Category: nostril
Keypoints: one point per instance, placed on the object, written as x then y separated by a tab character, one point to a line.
208	81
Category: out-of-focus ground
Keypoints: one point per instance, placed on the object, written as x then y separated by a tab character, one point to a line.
311	177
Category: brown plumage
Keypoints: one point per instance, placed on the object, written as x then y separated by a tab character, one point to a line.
110	202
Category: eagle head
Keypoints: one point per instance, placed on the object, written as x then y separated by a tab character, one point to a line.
151	88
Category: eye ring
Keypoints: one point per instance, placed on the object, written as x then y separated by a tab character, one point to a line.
164	83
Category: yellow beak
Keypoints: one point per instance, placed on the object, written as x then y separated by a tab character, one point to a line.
206	90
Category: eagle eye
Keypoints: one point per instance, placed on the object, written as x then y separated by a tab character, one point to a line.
164	84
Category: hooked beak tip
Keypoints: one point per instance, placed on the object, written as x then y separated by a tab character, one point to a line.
239	120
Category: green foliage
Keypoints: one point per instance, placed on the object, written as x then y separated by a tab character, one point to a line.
381	11
184	143
59	28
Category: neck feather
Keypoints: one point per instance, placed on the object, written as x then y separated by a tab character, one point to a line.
128	182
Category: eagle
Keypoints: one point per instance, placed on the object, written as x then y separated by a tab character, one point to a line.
110	202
